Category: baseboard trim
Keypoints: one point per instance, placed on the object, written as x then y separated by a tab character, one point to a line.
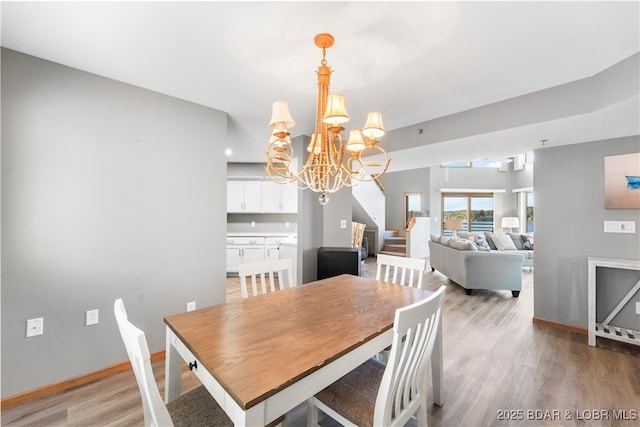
564	327
48	390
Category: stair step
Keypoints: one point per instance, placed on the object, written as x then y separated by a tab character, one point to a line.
389	233
393	253
402	246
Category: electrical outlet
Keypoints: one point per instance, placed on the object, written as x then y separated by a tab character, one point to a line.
35	327
191	306
343	223
91	317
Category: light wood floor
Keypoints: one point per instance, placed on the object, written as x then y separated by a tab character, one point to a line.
500	369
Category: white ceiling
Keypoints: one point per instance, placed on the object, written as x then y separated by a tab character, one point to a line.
413	61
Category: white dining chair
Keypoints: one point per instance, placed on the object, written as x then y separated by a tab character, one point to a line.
196	407
266	269
409	271
388	395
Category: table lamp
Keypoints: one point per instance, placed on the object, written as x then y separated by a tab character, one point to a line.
454	225
510	222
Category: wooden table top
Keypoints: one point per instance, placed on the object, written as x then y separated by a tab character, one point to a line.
258	346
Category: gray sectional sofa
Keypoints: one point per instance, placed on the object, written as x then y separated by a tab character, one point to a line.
463	263
517	243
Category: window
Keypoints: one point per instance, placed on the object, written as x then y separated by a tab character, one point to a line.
485	163
456	165
525	210
529	211
479	163
474	209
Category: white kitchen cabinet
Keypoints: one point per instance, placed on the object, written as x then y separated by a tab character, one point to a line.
272	252
272	247
244	196
279	198
290	197
243	250
234	256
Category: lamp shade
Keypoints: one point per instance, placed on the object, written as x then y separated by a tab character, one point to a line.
280	116
452	224
355	142
510	222
336	112
373	128
315	146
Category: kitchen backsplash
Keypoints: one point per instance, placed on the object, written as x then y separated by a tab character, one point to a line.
262	223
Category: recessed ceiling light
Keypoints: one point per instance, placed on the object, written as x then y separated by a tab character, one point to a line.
228	151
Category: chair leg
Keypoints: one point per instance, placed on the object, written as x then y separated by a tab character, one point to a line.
421	415
383	356
312	413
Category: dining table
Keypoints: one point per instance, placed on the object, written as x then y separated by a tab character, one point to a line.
261	357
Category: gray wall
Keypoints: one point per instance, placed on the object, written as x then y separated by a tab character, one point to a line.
108	191
569	215
395	185
338	209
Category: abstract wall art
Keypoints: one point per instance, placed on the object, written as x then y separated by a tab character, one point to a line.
622	181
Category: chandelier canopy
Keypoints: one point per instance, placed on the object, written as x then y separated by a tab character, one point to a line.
324	170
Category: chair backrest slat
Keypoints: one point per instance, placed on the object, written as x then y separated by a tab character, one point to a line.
155	411
414	266
403	387
271	269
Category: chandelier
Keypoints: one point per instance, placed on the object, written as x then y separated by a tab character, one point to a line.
326	170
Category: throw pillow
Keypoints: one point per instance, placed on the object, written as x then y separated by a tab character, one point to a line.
462	245
435	238
517	240
527	242
503	242
479	240
492	245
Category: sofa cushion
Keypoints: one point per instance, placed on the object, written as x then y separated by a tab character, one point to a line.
517	240
527	254
503	242
462	245
435	238
444	240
